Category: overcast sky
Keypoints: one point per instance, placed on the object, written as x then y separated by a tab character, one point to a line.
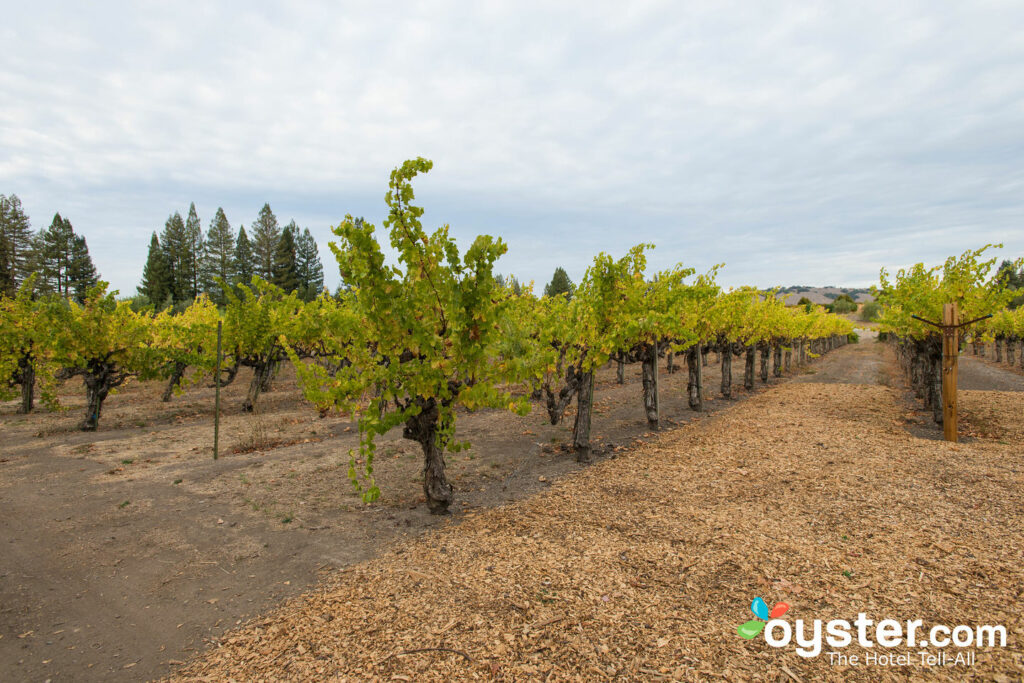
798	143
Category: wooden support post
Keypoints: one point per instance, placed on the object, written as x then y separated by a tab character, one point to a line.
950	353
216	400
657	397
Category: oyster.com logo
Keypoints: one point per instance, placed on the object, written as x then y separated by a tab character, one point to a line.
811	638
759	607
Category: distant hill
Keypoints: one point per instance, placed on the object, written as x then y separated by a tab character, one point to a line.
824	295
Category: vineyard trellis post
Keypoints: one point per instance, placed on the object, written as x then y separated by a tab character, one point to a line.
216	396
950	358
950	328
657	396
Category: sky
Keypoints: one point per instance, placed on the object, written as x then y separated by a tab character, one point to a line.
795	142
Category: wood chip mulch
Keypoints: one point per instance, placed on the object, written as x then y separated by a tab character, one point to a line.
642	567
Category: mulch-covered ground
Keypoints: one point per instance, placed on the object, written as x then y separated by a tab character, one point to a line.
642	567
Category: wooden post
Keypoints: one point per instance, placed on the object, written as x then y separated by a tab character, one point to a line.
657	397
216	400
950	353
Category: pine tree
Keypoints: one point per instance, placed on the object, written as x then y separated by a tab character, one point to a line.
6	273
175	246
16	245
57	245
245	261
310	268
63	260
285	272
193	252
265	236
560	284
156	276
218	256
82	272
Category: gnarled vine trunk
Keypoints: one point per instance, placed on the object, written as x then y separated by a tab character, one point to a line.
999	349
650	383
765	350
99	379
620	371
726	356
695	378
27	378
777	359
584	413
177	372
748	368
557	403
262	373
231	372
422	428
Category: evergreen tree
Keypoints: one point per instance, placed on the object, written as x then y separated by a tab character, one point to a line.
310	268
16	245
218	257
1014	278
560	284
286	273
63	260
193	253
57	245
517	289
175	244
265	236
6	273
156	276
245	260
81	272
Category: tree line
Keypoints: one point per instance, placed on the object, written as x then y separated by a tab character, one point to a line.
59	255
183	262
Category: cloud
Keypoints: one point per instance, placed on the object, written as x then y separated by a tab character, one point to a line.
796	142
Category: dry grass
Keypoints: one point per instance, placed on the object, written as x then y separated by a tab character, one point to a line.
642	567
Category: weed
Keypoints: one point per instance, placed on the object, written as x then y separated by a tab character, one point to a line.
124	504
286	519
847	573
127	461
177	481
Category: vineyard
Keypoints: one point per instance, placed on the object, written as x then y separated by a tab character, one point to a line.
409	345
442	476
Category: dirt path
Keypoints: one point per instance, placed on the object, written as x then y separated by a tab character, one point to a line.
861	363
642	567
126	551
976	374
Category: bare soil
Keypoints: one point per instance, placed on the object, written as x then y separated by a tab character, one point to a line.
128	550
986	375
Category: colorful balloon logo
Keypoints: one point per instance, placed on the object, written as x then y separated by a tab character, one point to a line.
759	607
